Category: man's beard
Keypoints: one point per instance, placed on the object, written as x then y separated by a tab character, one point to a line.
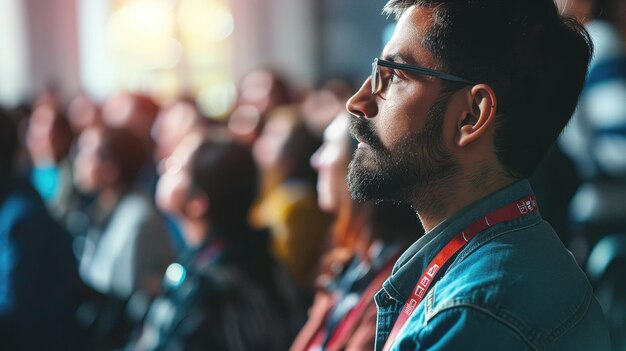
414	166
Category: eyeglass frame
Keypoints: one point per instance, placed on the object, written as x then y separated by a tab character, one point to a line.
416	69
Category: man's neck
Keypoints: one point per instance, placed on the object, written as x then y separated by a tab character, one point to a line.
437	202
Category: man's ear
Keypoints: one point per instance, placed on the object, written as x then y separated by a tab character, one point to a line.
479	117
197	206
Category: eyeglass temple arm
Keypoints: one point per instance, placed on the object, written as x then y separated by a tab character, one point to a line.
425	71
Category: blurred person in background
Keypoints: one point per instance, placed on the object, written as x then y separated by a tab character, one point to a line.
321	106
136	113
39	285
595	138
126	248
82	113
263	89
131	111
368	238
49	96
20	115
226	291
260	91
171	125
287	203
48	140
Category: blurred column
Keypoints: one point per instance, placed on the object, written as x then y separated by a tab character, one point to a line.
276	33
52	39
95	71
14	75
293	31
251	39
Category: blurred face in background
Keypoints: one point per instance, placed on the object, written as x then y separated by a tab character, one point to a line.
331	162
82	114
39	135
133	112
92	172
171	126
174	185
245	123
263	90
267	150
48	138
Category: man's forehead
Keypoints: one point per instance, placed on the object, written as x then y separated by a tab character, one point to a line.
406	43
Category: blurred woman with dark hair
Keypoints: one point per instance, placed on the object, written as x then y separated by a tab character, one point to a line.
368	238
48	141
226	292
126	248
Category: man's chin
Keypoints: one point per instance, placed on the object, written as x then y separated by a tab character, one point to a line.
360	178
365	182
360	191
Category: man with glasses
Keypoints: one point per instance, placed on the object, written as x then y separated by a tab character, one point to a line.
467	98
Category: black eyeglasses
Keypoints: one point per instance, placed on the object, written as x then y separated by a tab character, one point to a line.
377	81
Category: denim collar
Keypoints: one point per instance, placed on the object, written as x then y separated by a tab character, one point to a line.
414	260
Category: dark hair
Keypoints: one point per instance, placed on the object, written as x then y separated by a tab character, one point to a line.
63	136
227	174
125	149
297	151
8	143
534	59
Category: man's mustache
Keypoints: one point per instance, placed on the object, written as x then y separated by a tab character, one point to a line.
363	130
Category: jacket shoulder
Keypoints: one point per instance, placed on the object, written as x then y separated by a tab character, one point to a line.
527	281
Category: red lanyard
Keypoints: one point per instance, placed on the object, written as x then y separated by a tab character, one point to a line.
513	211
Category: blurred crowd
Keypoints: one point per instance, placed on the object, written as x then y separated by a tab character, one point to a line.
130	225
137	226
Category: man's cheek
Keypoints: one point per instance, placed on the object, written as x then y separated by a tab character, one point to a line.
389	131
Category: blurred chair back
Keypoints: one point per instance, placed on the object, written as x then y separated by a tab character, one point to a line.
606	269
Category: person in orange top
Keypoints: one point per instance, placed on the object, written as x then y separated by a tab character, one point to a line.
287	203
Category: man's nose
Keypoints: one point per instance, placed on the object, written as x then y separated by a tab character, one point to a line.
363	103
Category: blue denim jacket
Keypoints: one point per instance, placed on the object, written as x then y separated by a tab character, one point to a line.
514	287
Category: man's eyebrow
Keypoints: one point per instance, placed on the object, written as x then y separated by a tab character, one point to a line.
397	57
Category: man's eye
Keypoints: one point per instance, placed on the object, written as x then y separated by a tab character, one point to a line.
393	76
